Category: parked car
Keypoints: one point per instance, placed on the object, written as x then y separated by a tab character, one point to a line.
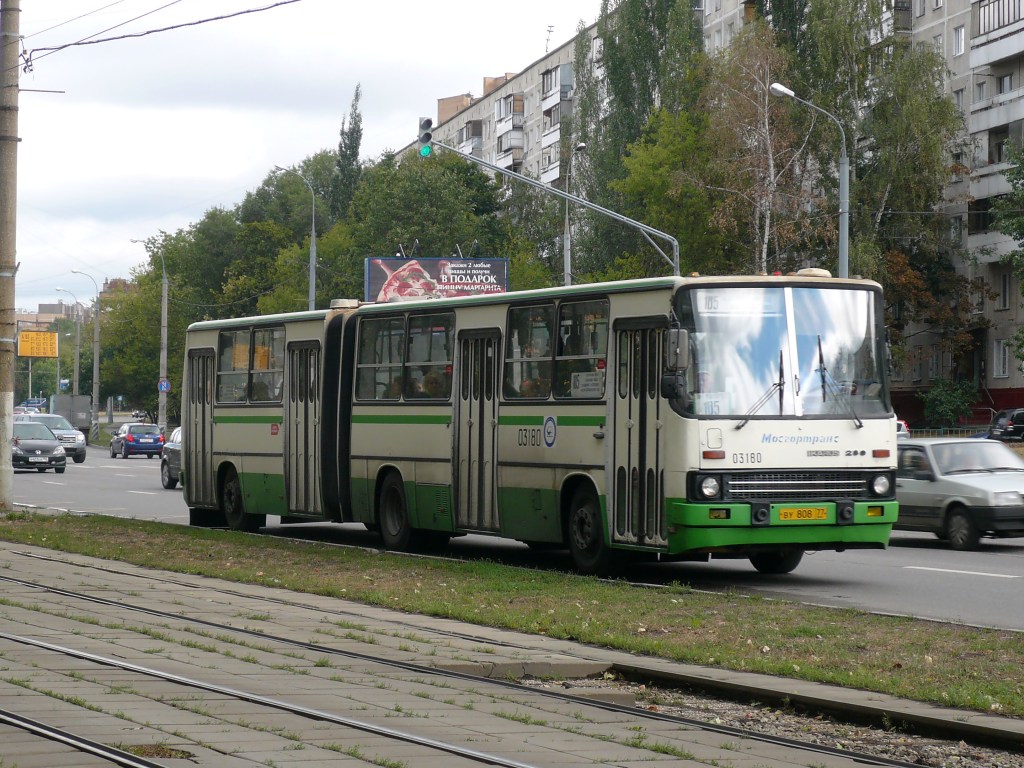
138	414
34	446
134	439
902	430
960	489
170	460
1007	424
72	439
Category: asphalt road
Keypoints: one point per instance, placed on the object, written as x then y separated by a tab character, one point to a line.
918	575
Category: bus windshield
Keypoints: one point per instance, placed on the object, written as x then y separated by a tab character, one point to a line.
783	351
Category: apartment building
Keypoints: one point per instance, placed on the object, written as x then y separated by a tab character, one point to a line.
515	124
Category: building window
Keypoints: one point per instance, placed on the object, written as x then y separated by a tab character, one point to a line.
1000	359
934	363
915	373
936	3
920	7
980	90
1004	83
958	41
955	231
1004	291
937	43
958	98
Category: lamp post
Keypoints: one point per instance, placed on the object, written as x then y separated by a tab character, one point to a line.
312	238
161	408
778	89
566	254
94	429
78	338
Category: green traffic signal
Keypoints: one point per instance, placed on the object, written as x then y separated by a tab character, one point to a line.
426	137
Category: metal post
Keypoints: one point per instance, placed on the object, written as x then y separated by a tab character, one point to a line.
10	46
567	258
778	89
78	336
94	429
312	238
161	387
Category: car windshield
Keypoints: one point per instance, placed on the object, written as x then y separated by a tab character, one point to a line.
56	422
30	430
141	429
975	456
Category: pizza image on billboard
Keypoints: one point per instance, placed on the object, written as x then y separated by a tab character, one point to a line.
398	279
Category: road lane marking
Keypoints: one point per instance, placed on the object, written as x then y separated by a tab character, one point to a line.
144	493
963	573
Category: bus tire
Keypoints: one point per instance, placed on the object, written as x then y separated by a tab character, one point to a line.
961	532
589	552
393	514
776	562
233	506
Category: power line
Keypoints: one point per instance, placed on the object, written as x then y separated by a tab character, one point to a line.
76	18
30	56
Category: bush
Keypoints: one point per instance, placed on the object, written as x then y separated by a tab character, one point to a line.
948	401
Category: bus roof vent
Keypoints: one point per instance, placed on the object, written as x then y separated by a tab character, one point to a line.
813	272
344	303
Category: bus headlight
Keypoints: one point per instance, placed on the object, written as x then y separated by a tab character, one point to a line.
881	485
710	487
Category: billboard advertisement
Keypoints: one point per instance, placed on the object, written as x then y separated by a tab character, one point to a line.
399	279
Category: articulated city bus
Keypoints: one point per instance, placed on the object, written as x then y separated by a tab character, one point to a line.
672	418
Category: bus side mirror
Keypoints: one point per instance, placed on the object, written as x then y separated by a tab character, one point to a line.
677	349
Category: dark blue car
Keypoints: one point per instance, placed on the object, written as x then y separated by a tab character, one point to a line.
136	440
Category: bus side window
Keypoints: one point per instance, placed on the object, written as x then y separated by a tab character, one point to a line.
527	359
379	359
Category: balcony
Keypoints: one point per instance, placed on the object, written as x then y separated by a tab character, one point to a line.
997	27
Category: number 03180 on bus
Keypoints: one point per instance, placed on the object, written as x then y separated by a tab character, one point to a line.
666	418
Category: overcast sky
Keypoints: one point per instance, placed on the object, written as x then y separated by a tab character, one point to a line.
148	133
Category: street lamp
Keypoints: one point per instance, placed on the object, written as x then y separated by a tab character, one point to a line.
566	256
94	429
778	89
312	238
78	338
162	386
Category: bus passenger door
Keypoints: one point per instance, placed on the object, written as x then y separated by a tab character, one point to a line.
302	428
475	457
638	485
197	459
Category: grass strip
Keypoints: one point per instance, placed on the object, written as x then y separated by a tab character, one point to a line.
947	664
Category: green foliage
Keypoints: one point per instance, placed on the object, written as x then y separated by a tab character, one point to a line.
946	402
348	169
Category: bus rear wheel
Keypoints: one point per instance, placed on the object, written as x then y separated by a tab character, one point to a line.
776	562
394	514
233	506
590	554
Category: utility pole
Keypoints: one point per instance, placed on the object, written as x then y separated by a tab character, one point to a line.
163	384
10	43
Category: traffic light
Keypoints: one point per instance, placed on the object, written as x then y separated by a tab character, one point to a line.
426	137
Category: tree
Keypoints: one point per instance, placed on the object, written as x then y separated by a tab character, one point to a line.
347	166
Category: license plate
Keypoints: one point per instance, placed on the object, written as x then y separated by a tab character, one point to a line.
146	440
803	513
39	459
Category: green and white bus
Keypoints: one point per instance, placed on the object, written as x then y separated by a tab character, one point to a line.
672	418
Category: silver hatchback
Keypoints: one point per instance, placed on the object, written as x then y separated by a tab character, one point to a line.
960	489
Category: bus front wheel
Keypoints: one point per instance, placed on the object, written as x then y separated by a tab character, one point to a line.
590	554
233	506
776	562
393	514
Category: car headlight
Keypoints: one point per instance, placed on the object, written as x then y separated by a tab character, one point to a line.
80	439
1006	499
710	487
881	485
58	451
17	450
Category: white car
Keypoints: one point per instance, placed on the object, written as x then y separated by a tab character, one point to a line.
902	430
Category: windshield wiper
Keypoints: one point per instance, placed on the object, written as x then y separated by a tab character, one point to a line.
828	384
779	386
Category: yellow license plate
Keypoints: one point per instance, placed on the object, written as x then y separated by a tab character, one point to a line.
803	513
